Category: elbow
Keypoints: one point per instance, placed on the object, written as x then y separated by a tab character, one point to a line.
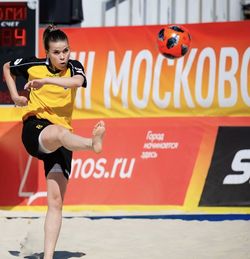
78	85
6	67
79	81
82	82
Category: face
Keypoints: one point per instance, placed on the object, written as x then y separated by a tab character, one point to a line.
59	54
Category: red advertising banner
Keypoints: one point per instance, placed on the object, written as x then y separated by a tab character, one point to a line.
140	160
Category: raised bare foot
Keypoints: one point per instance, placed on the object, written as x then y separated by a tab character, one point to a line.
98	133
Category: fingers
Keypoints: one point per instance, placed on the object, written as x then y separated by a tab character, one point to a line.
21	101
28	85
25	102
35	84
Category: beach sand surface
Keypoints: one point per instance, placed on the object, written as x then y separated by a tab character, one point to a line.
107	238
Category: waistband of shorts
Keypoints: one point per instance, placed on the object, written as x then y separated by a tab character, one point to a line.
33	117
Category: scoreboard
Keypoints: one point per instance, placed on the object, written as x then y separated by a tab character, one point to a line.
18	37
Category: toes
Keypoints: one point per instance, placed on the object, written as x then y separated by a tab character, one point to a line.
100	124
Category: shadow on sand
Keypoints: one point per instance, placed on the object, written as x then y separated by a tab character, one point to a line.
57	255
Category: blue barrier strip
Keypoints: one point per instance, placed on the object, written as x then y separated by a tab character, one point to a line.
189	217
200	217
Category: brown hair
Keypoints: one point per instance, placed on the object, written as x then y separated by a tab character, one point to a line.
53	34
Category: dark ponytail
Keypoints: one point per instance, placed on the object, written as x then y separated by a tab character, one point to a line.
53	34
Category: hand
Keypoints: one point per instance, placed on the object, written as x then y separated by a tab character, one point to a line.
36	84
20	100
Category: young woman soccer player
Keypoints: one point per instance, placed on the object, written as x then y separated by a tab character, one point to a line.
47	132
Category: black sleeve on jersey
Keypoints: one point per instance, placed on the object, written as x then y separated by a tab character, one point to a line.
20	66
77	69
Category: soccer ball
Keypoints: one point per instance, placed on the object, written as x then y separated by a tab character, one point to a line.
173	41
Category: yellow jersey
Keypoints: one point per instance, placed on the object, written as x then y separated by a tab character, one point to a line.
51	102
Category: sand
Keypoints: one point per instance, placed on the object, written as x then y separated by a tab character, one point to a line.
81	237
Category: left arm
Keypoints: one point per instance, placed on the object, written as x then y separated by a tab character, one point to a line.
69	82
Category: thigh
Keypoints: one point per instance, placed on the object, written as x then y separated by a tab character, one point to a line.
50	137
32	127
56	187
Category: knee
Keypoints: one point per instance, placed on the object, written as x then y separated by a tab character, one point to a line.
55	203
61	132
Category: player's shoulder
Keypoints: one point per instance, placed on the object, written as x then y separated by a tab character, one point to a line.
76	67
28	61
75	63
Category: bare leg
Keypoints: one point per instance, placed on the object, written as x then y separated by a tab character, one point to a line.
55	136
56	187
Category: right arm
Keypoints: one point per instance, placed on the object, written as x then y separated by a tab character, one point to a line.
11	83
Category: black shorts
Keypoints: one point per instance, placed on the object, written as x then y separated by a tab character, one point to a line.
32	127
